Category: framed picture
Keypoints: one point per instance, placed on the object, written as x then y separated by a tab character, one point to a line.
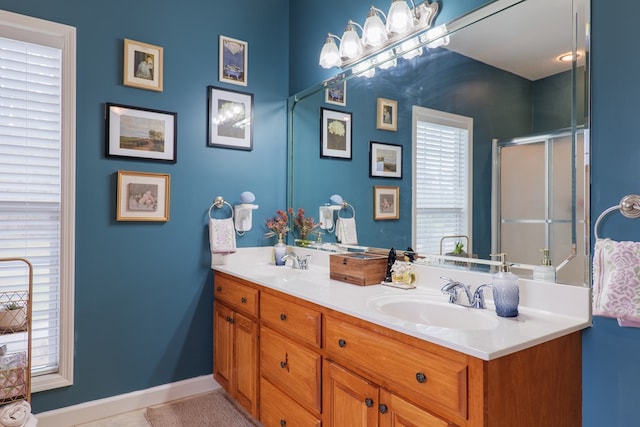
142	65
230	119
385	160
140	133
335	134
336	94
387	116
386	202
233	61
142	196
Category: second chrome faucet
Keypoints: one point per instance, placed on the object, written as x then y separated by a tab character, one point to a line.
474	300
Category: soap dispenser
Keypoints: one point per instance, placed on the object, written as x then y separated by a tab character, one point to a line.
546	271
506	293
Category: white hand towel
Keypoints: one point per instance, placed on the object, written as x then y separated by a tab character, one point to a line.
346	231
15	414
616	282
222	236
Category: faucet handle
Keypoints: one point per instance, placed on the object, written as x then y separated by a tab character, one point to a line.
478	296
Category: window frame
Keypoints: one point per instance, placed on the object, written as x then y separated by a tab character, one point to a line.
52	34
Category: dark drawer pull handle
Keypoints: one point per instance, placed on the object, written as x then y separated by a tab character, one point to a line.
219	288
369	402
283	317
342	343
283	365
283	423
383	408
344	261
421	378
243	300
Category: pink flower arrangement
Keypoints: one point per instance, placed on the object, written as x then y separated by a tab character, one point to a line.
278	225
303	224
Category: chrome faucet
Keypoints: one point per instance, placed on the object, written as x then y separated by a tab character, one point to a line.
475	299
299	262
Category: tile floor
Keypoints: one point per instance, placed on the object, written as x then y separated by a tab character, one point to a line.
130	419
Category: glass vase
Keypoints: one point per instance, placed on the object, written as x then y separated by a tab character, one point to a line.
279	250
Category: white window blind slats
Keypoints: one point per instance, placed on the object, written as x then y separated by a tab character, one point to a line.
441	176
30	185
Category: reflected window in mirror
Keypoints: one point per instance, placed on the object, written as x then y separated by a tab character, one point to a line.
442	171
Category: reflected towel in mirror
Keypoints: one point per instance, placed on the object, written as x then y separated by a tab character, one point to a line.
346	231
616	281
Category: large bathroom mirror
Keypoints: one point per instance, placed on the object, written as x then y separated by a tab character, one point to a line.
499	68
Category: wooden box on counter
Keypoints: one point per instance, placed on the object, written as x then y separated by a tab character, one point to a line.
358	268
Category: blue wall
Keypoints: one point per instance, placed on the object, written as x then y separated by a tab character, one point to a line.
143	314
611	380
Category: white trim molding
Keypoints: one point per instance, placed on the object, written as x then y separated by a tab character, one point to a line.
120	404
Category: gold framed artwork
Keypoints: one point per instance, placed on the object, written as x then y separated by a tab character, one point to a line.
387	114
233	61
386	202
142	196
142	65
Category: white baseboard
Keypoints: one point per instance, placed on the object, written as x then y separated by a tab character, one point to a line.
115	405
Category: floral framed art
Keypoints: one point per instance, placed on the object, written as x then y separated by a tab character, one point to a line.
233	61
385	160
387	114
142	133
335	134
142	196
142	65
386	202
336	94
230	119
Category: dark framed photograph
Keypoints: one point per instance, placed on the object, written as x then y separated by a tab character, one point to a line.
385	160
141	133
386	202
143	196
142	65
336	94
335	134
230	119
233	61
387	116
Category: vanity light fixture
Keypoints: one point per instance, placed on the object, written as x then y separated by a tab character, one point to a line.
403	34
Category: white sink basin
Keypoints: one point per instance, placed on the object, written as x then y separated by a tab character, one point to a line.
427	310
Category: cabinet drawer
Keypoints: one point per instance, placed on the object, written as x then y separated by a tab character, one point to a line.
426	378
292	319
277	409
292	368
236	294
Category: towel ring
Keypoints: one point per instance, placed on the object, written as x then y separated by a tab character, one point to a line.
629	206
219	203
346	205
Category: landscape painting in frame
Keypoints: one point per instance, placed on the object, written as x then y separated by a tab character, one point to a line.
140	133
233	61
336	94
385	160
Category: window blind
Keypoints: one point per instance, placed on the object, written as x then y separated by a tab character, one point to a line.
30	186
441	180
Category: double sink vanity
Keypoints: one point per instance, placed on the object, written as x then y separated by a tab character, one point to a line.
296	348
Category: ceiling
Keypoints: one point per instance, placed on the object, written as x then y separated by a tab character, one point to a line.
525	39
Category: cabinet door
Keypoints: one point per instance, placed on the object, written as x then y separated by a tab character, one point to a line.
348	399
397	412
245	358
222	345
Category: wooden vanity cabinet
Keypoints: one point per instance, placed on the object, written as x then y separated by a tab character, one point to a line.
290	362
235	338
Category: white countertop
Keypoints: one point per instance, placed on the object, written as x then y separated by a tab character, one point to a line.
546	310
